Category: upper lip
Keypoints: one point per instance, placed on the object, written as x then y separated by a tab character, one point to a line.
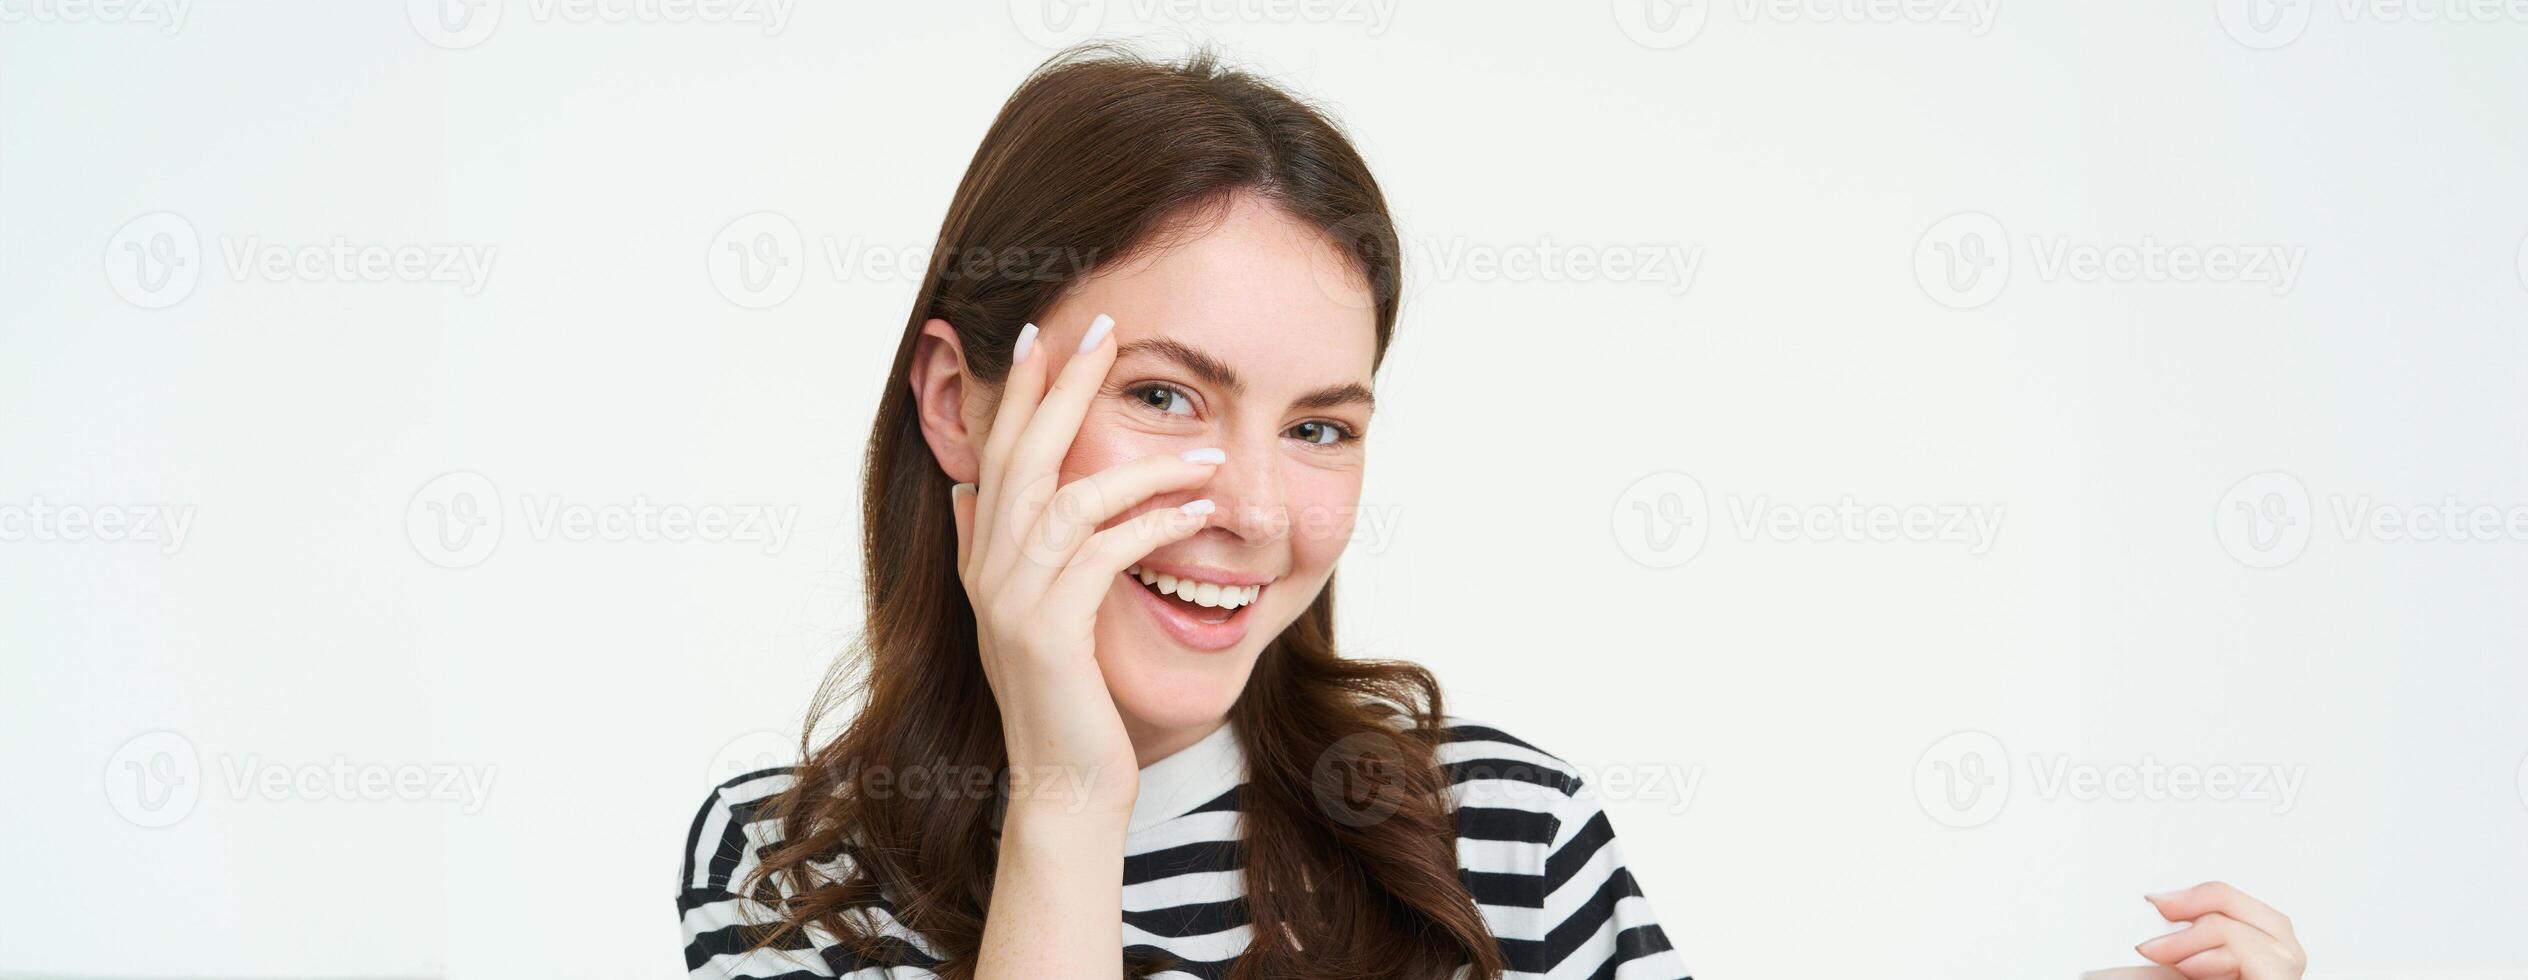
1205	573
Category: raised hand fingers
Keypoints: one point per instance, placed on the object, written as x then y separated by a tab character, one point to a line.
1079	507
2232	935
1107	553
1030	462
1020	392
2216	896
2212	931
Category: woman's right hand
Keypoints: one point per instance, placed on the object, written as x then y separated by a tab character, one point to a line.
1036	567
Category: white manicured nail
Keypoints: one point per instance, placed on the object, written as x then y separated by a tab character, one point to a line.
1026	344
1202	506
1096	332
1205	455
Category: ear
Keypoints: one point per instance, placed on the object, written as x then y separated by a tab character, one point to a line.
949	401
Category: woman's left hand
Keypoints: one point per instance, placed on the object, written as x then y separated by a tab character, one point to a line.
2232	936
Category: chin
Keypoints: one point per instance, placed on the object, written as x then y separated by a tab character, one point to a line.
1159	682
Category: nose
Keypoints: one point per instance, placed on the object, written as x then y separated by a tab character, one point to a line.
1247	492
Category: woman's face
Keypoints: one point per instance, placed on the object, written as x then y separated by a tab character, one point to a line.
1256	338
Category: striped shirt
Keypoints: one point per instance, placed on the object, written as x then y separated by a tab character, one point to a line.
1533	847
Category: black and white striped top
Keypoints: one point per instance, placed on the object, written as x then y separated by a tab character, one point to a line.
1533	847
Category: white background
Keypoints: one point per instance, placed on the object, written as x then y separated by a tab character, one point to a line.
1832	344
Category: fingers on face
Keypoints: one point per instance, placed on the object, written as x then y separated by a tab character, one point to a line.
1019	394
1048	434
1027	454
1107	553
1080	507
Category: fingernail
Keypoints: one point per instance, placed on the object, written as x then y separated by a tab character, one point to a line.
2161	897
958	488
1026	344
1205	455
1096	332
1202	506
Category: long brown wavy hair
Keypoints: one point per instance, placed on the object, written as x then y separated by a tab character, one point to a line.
1098	154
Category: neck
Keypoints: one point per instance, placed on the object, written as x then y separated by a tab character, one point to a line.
1151	744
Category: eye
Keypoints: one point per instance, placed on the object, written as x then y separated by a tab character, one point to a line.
1167	399
1323	433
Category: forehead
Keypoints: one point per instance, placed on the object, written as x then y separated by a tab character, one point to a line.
1255	287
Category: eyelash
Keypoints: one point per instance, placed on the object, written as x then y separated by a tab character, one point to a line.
1137	391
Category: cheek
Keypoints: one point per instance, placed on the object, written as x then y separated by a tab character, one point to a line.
1324	507
1101	446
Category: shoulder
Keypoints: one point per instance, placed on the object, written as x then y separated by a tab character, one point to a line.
721	920
724	834
1508	780
1538	854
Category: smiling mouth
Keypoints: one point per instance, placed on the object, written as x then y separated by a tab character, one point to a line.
1209	603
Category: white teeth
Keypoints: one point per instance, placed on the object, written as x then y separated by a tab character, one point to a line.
1199	593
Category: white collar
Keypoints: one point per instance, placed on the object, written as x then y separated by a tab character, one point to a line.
1188	778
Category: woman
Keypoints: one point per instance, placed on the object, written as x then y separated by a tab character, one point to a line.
1111	473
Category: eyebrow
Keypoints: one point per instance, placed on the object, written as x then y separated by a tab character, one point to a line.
1217	373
